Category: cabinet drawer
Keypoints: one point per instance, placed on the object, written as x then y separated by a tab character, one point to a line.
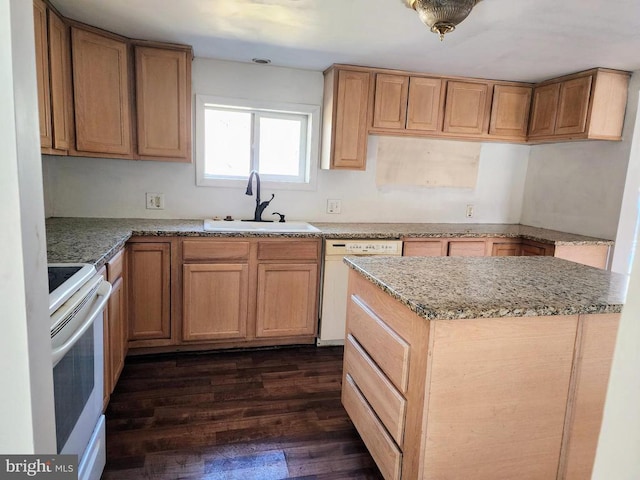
385	453
288	250
387	349
467	249
382	396
424	248
114	267
214	250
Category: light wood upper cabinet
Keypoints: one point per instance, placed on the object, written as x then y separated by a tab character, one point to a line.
573	104
163	100
101	93
42	72
61	87
426	103
545	106
510	111
390	104
345	119
466	108
585	105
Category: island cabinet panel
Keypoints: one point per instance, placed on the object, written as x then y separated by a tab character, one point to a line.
101	93
510	111
594	355
425	105
163	103
501	417
466	108
215	301
149	292
287	300
390	105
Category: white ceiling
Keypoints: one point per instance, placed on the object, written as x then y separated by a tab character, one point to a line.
525	40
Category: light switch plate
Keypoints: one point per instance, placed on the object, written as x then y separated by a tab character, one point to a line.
334	206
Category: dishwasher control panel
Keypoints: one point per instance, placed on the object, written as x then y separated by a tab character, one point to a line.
363	247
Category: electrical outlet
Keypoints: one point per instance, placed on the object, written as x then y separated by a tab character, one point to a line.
333	206
469	211
155	201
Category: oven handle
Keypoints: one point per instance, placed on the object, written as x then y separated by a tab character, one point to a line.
103	292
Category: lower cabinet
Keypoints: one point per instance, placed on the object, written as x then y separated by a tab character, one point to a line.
287	299
594	255
115	324
249	292
484	398
149	289
216	301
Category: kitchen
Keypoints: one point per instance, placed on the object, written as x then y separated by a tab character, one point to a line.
74	187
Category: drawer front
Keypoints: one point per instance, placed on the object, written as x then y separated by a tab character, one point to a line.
467	249
387	349
289	250
114	267
215	250
385	453
382	396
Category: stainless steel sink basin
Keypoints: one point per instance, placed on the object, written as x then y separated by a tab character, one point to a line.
275	227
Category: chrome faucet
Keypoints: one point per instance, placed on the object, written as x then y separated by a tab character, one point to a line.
260	206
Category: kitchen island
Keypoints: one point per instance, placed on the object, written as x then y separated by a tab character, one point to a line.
483	368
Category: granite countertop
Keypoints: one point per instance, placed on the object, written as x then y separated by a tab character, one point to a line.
96	240
453	230
447	288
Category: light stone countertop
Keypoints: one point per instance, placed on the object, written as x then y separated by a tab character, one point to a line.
449	288
97	240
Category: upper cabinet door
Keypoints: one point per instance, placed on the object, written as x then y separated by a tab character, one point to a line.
543	113
101	93
351	109
163	103
510	111
573	106
424	112
60	71
42	72
466	108
390	110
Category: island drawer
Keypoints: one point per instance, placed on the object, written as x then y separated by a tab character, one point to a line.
382	448
388	404
215	250
388	350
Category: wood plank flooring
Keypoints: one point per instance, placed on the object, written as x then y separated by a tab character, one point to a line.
267	414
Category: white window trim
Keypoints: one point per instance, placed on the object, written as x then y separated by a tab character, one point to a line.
313	144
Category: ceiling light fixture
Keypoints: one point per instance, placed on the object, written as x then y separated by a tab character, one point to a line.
261	61
442	16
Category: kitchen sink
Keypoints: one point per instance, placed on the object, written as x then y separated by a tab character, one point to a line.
275	227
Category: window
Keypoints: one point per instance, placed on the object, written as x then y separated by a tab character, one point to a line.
280	141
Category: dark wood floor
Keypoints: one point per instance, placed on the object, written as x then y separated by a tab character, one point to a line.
268	414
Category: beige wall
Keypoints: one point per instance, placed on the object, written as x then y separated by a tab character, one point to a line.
116	188
26	402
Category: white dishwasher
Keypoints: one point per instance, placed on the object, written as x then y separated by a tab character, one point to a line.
333	313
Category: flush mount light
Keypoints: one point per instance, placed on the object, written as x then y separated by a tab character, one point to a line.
261	61
442	16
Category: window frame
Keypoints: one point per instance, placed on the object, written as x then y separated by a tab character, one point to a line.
278	109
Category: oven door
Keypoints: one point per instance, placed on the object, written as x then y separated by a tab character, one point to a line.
78	381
